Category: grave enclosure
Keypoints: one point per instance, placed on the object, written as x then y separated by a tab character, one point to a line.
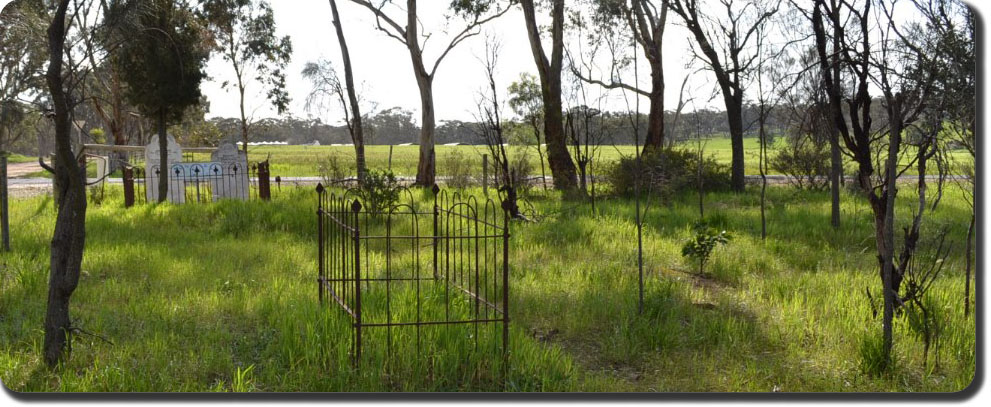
404	270
226	176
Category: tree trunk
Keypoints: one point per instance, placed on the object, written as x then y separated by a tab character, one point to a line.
763	173
426	169
734	114
357	132
886	243
655	121
540	153
562	167
836	159
68	239
163	156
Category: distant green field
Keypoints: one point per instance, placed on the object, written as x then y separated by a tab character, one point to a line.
302	161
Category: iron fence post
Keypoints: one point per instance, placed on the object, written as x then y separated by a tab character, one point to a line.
4	206
320	243
505	285
436	191
356	208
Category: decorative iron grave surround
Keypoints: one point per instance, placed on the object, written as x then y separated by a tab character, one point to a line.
227	176
462	259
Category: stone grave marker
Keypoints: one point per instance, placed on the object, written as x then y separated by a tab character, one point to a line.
233	180
177	186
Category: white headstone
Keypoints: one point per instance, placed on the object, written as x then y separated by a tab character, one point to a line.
233	182
177	187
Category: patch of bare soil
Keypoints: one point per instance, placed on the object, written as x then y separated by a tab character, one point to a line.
21	169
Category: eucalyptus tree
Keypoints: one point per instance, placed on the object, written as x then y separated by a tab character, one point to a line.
405	27
69	237
725	46
161	62
354	123
875	55
643	21
954	29
525	100
549	71
244	35
22	60
328	89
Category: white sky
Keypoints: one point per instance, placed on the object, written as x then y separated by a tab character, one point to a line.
383	69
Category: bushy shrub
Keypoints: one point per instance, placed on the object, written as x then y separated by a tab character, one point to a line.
667	171
458	169
805	162
519	172
334	169
380	190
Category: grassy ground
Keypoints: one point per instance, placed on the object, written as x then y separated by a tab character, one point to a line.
222	297
305	160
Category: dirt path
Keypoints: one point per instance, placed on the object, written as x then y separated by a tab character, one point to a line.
21	169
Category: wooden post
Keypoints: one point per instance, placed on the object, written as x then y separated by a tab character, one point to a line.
264	186
485	174
128	187
4	207
390	158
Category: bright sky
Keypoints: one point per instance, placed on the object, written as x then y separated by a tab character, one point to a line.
383	69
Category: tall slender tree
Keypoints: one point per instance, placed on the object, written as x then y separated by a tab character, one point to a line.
162	64
876	56
354	123
22	59
725	46
525	100
407	31
549	71
644	21
244	34
69	237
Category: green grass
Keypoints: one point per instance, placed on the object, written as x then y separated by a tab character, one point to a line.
298	161
222	297
13	158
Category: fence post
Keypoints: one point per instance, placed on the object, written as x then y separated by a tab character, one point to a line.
320	266
264	187
128	187
485	174
4	207
505	287
356	208
390	157
436	191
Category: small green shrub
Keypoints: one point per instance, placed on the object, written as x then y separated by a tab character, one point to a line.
520	169
704	241
666	172
380	191
333	169
458	170
927	322
805	162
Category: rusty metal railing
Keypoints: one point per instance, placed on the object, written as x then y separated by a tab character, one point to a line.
456	251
